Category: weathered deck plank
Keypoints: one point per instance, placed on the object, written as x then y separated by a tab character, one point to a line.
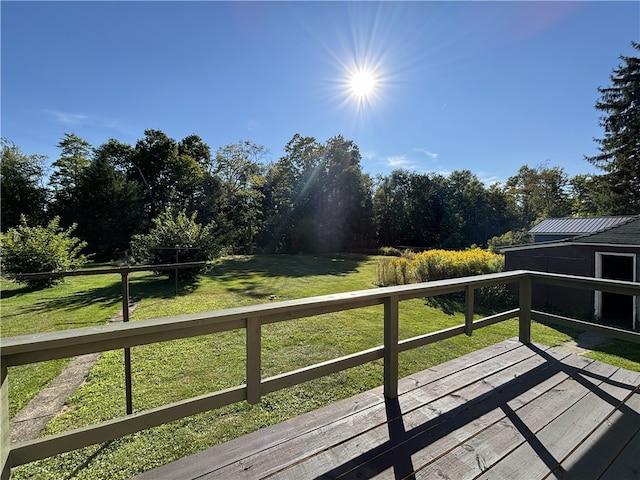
617	430
428	417
509	411
311	453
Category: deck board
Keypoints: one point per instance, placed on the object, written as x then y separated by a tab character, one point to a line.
506	411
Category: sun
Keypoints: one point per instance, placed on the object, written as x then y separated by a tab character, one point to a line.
362	84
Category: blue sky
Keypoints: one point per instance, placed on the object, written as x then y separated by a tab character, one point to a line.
484	86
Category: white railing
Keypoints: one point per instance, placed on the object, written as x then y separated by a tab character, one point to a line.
35	348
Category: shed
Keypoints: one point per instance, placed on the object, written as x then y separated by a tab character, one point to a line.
611	251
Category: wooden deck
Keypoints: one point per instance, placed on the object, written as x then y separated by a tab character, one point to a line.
509	411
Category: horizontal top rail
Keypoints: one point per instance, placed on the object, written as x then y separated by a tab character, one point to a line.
605	284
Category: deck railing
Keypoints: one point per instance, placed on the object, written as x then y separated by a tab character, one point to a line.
35	348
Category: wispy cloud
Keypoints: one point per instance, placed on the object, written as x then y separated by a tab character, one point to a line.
428	153
80	120
69	118
400	161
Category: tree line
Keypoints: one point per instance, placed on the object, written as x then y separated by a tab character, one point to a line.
316	196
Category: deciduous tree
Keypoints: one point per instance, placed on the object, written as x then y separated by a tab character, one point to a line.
240	171
22	190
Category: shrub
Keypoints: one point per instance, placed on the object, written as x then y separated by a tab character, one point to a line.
176	234
37	249
514	237
394	271
389	251
433	265
442	264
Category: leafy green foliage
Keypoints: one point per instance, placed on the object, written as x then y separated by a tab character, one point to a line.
170	171
512	237
539	193
390	251
112	206
36	249
238	194
176	237
21	186
317	199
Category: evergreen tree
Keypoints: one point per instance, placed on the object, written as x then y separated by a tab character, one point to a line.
619	153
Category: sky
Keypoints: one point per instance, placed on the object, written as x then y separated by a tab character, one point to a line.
483	86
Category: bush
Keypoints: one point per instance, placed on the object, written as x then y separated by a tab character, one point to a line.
394	271
442	264
437	265
179	234
433	265
37	249
514	237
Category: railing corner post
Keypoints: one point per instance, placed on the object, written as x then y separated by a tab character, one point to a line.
391	347
524	329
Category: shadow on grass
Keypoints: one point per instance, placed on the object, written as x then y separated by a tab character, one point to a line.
620	348
102	449
286	266
149	286
17	291
247	274
453	303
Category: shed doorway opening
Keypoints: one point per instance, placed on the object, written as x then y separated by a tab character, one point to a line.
613	308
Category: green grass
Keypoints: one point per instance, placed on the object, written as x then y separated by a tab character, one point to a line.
179	369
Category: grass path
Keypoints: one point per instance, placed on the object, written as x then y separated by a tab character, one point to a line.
50	401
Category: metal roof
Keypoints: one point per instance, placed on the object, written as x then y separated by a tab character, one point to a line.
579	225
622	233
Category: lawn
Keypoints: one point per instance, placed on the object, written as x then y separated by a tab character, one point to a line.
179	369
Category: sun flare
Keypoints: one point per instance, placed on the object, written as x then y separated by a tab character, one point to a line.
362	83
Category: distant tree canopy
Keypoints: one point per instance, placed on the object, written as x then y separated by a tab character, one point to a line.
315	197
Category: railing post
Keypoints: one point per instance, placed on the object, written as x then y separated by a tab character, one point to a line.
254	360
5	441
468	314
127	350
525	310
391	347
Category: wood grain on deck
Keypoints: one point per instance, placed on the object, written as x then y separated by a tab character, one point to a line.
509	411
